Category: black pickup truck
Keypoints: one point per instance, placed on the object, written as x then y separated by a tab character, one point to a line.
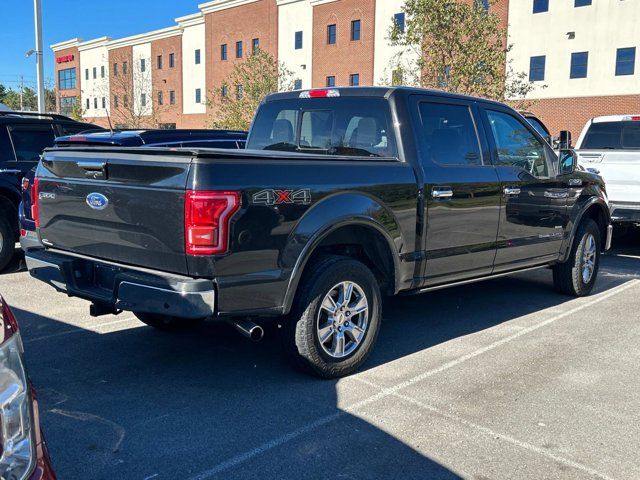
342	196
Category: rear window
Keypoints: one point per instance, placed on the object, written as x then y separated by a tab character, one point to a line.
332	126
612	135
30	141
6	150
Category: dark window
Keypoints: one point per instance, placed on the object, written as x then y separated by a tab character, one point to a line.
67	78
612	135
160	98
159	60
331	34
116	102
198	95
126	99
86	74
536	68
355	30
582	3
335	126
540	6
354	79
95	73
197	56
397	77
625	61
516	145
579	63
115	69
143	64
398	19
172	97
223	51
172	60
88	104
298	40
538	126
143	99
102	71
167	126
29	142
484	4
6	150
255	45
104	102
125	68
239	92
331	81
224	91
450	134
297	84
66	105
95	102
239	49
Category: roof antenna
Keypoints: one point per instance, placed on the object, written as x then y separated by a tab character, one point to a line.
109	120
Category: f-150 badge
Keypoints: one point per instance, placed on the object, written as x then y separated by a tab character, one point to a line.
282	197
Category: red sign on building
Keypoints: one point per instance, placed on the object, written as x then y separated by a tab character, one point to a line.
65	58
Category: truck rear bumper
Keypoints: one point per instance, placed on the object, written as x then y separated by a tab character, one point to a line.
120	287
625	212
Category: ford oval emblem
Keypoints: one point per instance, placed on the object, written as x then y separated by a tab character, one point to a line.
97	201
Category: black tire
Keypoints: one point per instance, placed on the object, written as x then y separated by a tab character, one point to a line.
8	241
168	323
299	336
568	276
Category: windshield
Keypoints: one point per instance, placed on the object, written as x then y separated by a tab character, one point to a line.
612	135
331	126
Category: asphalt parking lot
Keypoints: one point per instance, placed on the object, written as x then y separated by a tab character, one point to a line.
502	379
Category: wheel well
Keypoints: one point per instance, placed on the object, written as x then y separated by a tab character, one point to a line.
364	244
597	214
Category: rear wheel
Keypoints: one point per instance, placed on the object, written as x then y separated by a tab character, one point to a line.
168	323
335	319
7	242
578	274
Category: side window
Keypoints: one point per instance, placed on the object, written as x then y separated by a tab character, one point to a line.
6	150
29	142
450	134
516	145
72	128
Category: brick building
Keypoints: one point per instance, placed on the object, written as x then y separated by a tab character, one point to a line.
579	53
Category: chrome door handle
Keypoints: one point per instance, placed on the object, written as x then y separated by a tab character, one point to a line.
441	192
511	191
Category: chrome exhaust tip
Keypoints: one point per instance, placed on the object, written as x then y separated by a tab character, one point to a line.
249	329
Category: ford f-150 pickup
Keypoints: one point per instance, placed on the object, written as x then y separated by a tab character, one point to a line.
342	196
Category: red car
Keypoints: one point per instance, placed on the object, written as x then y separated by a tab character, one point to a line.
23	450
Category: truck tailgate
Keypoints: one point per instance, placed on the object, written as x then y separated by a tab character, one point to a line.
118	206
620	170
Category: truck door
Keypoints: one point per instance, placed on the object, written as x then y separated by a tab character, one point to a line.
461	191
534	201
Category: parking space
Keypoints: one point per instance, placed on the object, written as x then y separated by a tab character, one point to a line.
502	379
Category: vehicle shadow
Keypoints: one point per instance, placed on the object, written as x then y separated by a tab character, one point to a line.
139	403
17	263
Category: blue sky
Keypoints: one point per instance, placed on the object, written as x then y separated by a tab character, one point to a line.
65	19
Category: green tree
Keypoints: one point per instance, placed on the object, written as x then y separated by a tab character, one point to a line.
235	101
459	47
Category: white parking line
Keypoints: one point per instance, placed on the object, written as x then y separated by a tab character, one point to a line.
79	329
385	392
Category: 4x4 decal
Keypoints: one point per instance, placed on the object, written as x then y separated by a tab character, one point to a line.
282	197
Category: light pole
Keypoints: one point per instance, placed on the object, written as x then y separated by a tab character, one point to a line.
37	12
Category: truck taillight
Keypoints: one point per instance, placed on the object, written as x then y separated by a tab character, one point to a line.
320	93
206	221
35	213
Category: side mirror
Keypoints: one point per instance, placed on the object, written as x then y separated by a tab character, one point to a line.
567	162
564	141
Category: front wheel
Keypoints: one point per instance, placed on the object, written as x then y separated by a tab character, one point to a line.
577	275
168	323
335	320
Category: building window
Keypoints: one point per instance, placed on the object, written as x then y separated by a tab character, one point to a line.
198	95
160	98
239	92
115	69
625	61
66	105
167	126
197	56
536	68
297	84
143	64
159	60
355	30
398	20
223	51
104	102
331	34
397	77
172	60
95	73
88	104
125	68
86	74
224	91
95	103
102	71
354	79
331	81
172	97
116	102
126	98
67	79
582	3
579	63
239	49
540	6
143	99
255	45
298	40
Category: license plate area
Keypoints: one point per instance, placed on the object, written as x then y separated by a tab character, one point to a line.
97	278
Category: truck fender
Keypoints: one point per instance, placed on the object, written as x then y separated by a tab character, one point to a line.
327	216
584	208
